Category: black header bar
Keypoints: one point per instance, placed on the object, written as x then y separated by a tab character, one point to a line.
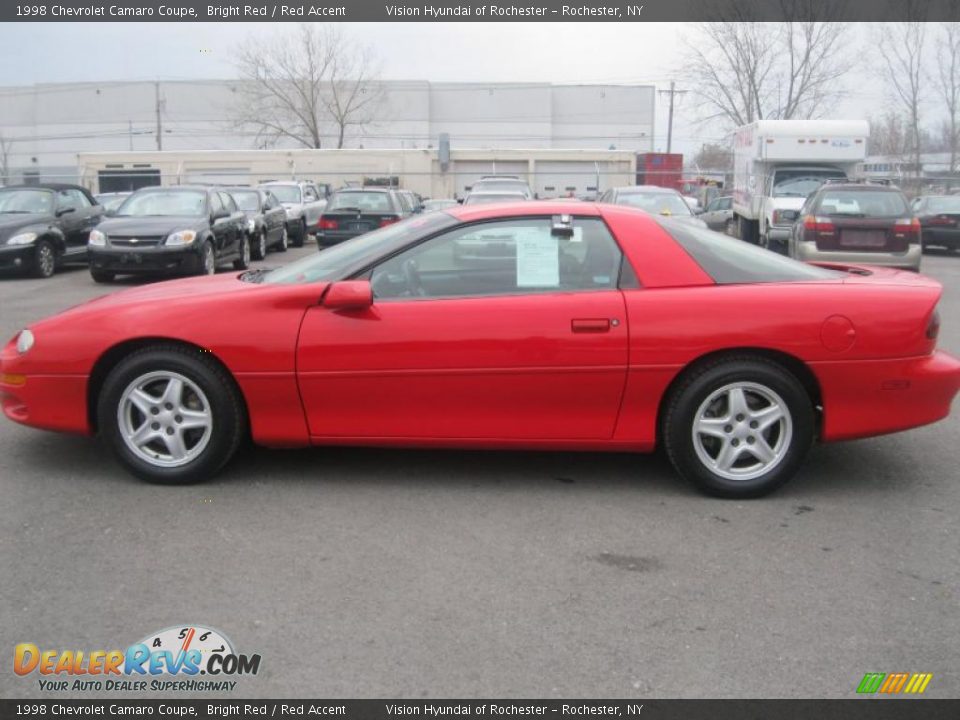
472	11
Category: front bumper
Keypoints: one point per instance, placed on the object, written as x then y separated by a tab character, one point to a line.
50	402
806	250
16	257
779	234
862	398
158	259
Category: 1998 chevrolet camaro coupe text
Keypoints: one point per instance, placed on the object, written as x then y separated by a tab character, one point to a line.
536	325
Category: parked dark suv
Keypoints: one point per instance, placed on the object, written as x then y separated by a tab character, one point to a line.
43	226
354	211
847	222
266	219
170	230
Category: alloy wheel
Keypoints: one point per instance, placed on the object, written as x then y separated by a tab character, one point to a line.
742	431
165	419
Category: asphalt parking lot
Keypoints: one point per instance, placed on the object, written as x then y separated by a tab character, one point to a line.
373	573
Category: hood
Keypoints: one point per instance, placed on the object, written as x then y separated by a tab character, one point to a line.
149	225
14	221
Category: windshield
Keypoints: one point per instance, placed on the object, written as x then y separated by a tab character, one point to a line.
335	263
111	202
656	203
374	202
286	193
942	204
247	200
26	201
800	183
863	203
486	198
172	203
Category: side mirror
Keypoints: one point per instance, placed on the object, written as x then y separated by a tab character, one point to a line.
219	215
349	295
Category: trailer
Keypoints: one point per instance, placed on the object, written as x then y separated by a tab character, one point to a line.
660	169
779	163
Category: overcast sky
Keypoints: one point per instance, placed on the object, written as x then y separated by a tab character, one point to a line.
553	52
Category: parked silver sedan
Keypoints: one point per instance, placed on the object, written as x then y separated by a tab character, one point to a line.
718	215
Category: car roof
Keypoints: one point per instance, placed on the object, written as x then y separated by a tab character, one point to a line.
367	189
174	188
47	186
870	187
535	208
638	189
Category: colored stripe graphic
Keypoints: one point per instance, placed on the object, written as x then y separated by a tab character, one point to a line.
894	683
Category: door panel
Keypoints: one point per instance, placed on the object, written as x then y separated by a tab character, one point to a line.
507	367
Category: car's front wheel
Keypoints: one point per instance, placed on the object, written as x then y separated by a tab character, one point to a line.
44	259
171	415
243	262
738	427
284	240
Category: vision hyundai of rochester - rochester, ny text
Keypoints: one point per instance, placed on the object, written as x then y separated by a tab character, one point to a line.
592	336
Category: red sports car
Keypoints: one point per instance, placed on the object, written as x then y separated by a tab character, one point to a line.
536	325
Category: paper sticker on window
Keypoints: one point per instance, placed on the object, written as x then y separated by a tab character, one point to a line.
538	258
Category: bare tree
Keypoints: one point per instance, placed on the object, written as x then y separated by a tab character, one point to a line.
889	135
305	84
901	50
746	71
947	80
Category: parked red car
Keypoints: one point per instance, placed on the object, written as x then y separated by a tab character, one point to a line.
592	327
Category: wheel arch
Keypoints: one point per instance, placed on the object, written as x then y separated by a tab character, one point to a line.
791	363
112	357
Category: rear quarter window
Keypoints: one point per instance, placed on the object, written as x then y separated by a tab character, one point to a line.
734	262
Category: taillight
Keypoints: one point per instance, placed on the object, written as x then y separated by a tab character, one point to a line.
328	224
933	327
907	226
388	221
939	221
818	224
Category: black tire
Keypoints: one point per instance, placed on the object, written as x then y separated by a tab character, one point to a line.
229	420
301	235
284	241
692	392
243	262
44	260
102	276
204	264
259	250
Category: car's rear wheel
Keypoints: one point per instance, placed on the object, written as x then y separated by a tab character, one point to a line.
243	262
738	427
170	415
102	276
259	250
44	259
284	240
301	235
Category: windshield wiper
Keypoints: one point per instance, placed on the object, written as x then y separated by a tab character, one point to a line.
345	209
847	214
16	212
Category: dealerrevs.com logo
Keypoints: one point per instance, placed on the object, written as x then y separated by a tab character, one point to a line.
173	659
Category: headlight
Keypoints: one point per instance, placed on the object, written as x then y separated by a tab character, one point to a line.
97	238
22	239
24	341
183	237
251	226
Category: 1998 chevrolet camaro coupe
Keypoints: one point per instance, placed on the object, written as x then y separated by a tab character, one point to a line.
543	325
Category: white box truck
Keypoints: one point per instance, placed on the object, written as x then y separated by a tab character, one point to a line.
778	163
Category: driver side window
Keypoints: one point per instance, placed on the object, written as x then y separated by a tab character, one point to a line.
507	257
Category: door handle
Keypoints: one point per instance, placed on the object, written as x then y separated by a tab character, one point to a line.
590	325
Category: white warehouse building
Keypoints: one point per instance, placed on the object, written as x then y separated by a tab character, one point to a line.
44	128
